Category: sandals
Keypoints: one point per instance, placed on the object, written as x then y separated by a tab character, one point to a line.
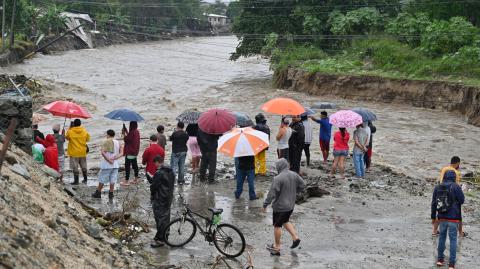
295	243
273	251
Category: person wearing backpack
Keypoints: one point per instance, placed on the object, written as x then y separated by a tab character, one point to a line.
447	201
161	196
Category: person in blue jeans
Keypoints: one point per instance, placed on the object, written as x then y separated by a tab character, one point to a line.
360	137
179	140
449	217
246	170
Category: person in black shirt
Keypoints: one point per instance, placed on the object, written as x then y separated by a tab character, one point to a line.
246	169
161	196
37	133
179	140
208	144
295	144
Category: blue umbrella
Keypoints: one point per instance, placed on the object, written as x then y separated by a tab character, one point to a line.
243	120
366	114
124	115
307	112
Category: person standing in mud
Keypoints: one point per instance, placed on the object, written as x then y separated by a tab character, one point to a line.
246	170
60	139
446	208
77	149
161	138
340	151
282	196
296	143
308	137
325	134
192	131
111	151
283	136
360	137
179	140
208	144
131	137
368	154
161	196
149	154
260	158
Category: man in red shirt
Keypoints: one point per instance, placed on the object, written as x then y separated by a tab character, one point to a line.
149	154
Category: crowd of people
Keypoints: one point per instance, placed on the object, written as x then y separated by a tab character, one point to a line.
293	138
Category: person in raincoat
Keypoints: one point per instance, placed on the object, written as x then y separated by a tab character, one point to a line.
50	155
260	158
77	149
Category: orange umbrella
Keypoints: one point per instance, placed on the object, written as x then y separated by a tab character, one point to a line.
283	106
241	142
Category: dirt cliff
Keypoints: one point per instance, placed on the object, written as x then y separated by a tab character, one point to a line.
428	94
42	227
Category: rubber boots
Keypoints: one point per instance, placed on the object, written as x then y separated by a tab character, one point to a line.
76	179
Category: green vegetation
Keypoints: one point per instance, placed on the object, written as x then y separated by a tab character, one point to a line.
366	38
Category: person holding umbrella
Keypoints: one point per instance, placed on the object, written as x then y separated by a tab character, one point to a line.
342	119
131	137
325	134
77	149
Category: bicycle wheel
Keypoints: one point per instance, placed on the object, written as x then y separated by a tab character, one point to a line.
229	240
179	232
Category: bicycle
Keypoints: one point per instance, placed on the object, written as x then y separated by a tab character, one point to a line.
224	236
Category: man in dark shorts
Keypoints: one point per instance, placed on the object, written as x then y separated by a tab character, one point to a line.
282	196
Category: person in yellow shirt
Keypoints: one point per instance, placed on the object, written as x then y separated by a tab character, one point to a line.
450	171
260	158
77	150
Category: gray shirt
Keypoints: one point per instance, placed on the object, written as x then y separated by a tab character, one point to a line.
362	137
284	188
60	139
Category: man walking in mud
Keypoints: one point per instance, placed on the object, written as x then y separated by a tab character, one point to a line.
161	195
282	196
179	140
446	208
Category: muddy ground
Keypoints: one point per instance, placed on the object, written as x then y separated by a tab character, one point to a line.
383	224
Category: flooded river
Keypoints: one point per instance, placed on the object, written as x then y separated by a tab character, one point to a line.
161	79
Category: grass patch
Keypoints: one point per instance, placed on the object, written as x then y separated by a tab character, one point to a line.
385	58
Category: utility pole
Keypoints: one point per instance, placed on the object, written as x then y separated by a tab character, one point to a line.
12	35
3	25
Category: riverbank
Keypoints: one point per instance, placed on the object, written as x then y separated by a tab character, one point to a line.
435	95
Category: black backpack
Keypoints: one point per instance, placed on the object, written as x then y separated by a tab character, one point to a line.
444	198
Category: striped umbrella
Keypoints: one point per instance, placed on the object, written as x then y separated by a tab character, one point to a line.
345	119
241	142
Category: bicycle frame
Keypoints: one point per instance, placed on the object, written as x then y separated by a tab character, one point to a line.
207	232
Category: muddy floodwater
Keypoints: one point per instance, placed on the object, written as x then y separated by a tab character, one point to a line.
371	229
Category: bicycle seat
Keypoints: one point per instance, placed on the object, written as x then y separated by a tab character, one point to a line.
216	211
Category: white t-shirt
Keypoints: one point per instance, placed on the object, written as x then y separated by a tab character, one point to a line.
116	150
308	131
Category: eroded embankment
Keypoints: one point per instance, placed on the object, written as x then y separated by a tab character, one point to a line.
428	94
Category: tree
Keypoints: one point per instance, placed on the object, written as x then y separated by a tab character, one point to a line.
234	10
444	10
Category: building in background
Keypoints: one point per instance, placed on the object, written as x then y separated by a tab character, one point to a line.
217	20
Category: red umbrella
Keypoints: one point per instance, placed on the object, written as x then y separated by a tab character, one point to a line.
216	121
67	109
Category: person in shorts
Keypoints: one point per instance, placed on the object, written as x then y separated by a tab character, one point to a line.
111	151
282	196
340	151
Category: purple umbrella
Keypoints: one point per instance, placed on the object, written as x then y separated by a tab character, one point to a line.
345	119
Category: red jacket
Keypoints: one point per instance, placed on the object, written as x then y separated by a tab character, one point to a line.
132	143
149	154
50	155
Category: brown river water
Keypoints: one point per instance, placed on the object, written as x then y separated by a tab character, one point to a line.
371	229
161	79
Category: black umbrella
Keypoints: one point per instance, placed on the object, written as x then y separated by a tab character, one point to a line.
189	116
243	120
366	114
324	105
